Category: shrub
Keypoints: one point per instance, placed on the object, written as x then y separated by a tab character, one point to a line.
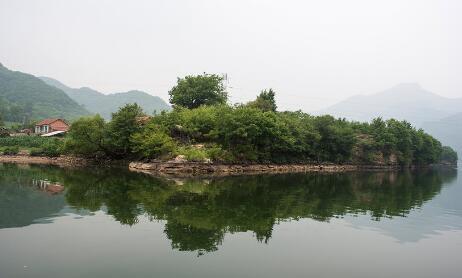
192	153
152	142
11	150
36	152
52	148
217	154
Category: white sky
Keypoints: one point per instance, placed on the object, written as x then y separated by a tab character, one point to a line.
313	53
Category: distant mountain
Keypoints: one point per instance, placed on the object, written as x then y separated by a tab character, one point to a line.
437	115
24	96
448	131
104	105
406	101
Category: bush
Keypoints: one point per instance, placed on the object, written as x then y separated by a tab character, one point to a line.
217	154
11	150
51	148
36	152
192	153
152	142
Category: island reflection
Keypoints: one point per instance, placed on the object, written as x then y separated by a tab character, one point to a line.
199	212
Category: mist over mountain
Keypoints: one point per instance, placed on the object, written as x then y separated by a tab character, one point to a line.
24	97
97	102
407	101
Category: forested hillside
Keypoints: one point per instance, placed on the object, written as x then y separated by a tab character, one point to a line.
24	97
105	105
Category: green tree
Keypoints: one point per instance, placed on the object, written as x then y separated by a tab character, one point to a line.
265	101
337	139
86	137
194	91
120	129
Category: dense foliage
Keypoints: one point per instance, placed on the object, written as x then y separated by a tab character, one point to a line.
244	134
249	134
194	91
93	137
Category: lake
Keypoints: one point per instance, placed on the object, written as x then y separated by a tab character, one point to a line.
57	222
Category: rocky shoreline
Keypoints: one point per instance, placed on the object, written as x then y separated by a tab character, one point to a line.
188	169
200	169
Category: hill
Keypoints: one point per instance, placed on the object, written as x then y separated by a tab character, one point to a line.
24	97
447	130
407	101
104	105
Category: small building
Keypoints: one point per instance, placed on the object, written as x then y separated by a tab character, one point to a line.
51	125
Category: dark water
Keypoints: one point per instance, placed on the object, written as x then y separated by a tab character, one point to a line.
111	223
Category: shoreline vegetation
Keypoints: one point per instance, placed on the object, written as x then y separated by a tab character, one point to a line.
205	134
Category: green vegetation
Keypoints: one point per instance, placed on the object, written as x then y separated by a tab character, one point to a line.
448	155
24	141
93	137
36	145
52	147
248	133
24	97
194	91
10	150
265	101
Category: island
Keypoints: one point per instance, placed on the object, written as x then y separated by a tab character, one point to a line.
203	133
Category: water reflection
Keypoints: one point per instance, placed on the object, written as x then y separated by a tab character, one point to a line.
198	213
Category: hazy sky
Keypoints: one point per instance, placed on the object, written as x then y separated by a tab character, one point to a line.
313	53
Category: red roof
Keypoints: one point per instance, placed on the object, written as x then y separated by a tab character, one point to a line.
49	121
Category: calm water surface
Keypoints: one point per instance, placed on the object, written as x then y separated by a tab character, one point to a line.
111	223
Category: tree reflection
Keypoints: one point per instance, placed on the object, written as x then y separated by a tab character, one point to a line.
199	212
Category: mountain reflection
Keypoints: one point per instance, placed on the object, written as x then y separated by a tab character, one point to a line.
199	212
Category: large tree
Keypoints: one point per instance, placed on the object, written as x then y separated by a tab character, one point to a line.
194	91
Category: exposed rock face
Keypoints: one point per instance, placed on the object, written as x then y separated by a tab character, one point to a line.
197	168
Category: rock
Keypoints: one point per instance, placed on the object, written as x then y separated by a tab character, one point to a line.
180	159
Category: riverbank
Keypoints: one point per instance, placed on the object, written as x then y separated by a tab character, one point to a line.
189	169
200	169
65	161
